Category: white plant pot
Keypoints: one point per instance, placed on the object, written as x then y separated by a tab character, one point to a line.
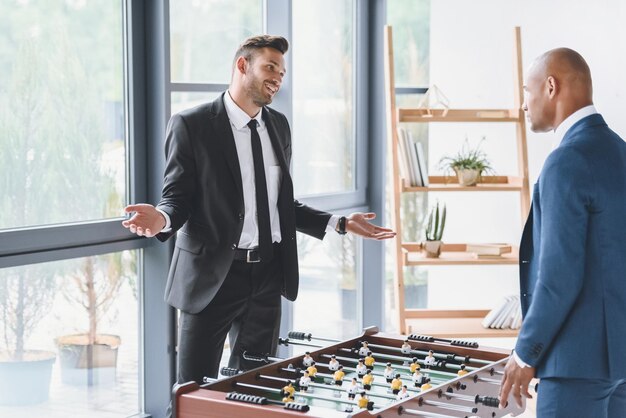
432	249
468	177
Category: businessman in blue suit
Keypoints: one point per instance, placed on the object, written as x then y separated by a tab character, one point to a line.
572	253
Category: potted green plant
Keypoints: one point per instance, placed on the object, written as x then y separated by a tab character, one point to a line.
25	298
469	164
434	231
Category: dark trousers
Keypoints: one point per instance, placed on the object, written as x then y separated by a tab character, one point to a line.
581	398
247	308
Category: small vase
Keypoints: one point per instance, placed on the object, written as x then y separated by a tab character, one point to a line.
432	249
467	177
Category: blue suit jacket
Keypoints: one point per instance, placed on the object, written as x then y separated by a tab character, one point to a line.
573	259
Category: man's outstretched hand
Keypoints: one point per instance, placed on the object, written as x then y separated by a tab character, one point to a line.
146	222
358	224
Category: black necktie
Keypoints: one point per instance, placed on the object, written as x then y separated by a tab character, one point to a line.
262	207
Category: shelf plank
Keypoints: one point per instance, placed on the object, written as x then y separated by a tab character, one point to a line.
459	115
454	255
450	184
455	327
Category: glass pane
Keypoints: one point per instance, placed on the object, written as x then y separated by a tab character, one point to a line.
186	100
327	301
204	35
323	97
50	316
411	41
62	153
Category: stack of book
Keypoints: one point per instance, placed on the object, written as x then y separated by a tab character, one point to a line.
488	251
507	315
412	160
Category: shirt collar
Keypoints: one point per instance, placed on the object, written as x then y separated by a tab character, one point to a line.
581	113
238	118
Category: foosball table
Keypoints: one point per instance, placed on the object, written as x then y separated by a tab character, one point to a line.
453	379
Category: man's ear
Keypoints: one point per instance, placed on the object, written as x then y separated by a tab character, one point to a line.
553	86
241	64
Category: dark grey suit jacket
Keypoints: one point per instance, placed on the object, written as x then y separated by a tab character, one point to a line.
203	196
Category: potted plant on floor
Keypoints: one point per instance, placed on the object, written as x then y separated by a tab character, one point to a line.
26	296
469	164
434	231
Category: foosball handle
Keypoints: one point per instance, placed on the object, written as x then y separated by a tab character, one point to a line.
431	339
283	341
491	401
299	335
261	400
259	358
229	371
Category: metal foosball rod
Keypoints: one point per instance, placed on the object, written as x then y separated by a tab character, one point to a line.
423	414
420	338
287	341
377	373
449	406
301	394
330	387
398	366
491	401
441	356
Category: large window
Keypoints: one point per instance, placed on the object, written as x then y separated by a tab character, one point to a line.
324	158
69	338
62	141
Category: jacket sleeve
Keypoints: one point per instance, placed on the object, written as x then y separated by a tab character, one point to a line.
566	195
180	179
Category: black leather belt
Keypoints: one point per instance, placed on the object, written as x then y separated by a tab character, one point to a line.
251	255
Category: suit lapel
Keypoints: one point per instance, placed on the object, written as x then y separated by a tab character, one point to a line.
226	141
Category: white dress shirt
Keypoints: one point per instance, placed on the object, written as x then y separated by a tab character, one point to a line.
273	176
562	129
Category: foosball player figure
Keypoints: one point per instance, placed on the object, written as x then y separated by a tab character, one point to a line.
363	400
367	380
430	359
462	372
396	384
338	376
414	365
304	381
307	359
364	349
406	348
389	372
418	378
352	389
426	385
369	361
288	390
360	368
333	364
404	393
312	370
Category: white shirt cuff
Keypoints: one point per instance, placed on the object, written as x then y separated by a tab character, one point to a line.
332	223
519	361
168	223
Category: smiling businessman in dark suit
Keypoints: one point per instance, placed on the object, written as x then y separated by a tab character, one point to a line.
573	253
229	197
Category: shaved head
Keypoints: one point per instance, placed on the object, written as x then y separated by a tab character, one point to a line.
558	84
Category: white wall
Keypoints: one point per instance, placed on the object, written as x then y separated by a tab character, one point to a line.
471	57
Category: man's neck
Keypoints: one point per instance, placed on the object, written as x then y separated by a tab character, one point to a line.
244	103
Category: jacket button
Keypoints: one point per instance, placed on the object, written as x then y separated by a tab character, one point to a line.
232	247
241	216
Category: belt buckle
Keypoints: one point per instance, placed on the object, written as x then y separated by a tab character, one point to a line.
248	260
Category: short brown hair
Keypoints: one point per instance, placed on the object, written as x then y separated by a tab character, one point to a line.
251	45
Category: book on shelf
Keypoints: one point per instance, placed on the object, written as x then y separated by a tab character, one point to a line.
412	162
507	315
421	161
483	250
